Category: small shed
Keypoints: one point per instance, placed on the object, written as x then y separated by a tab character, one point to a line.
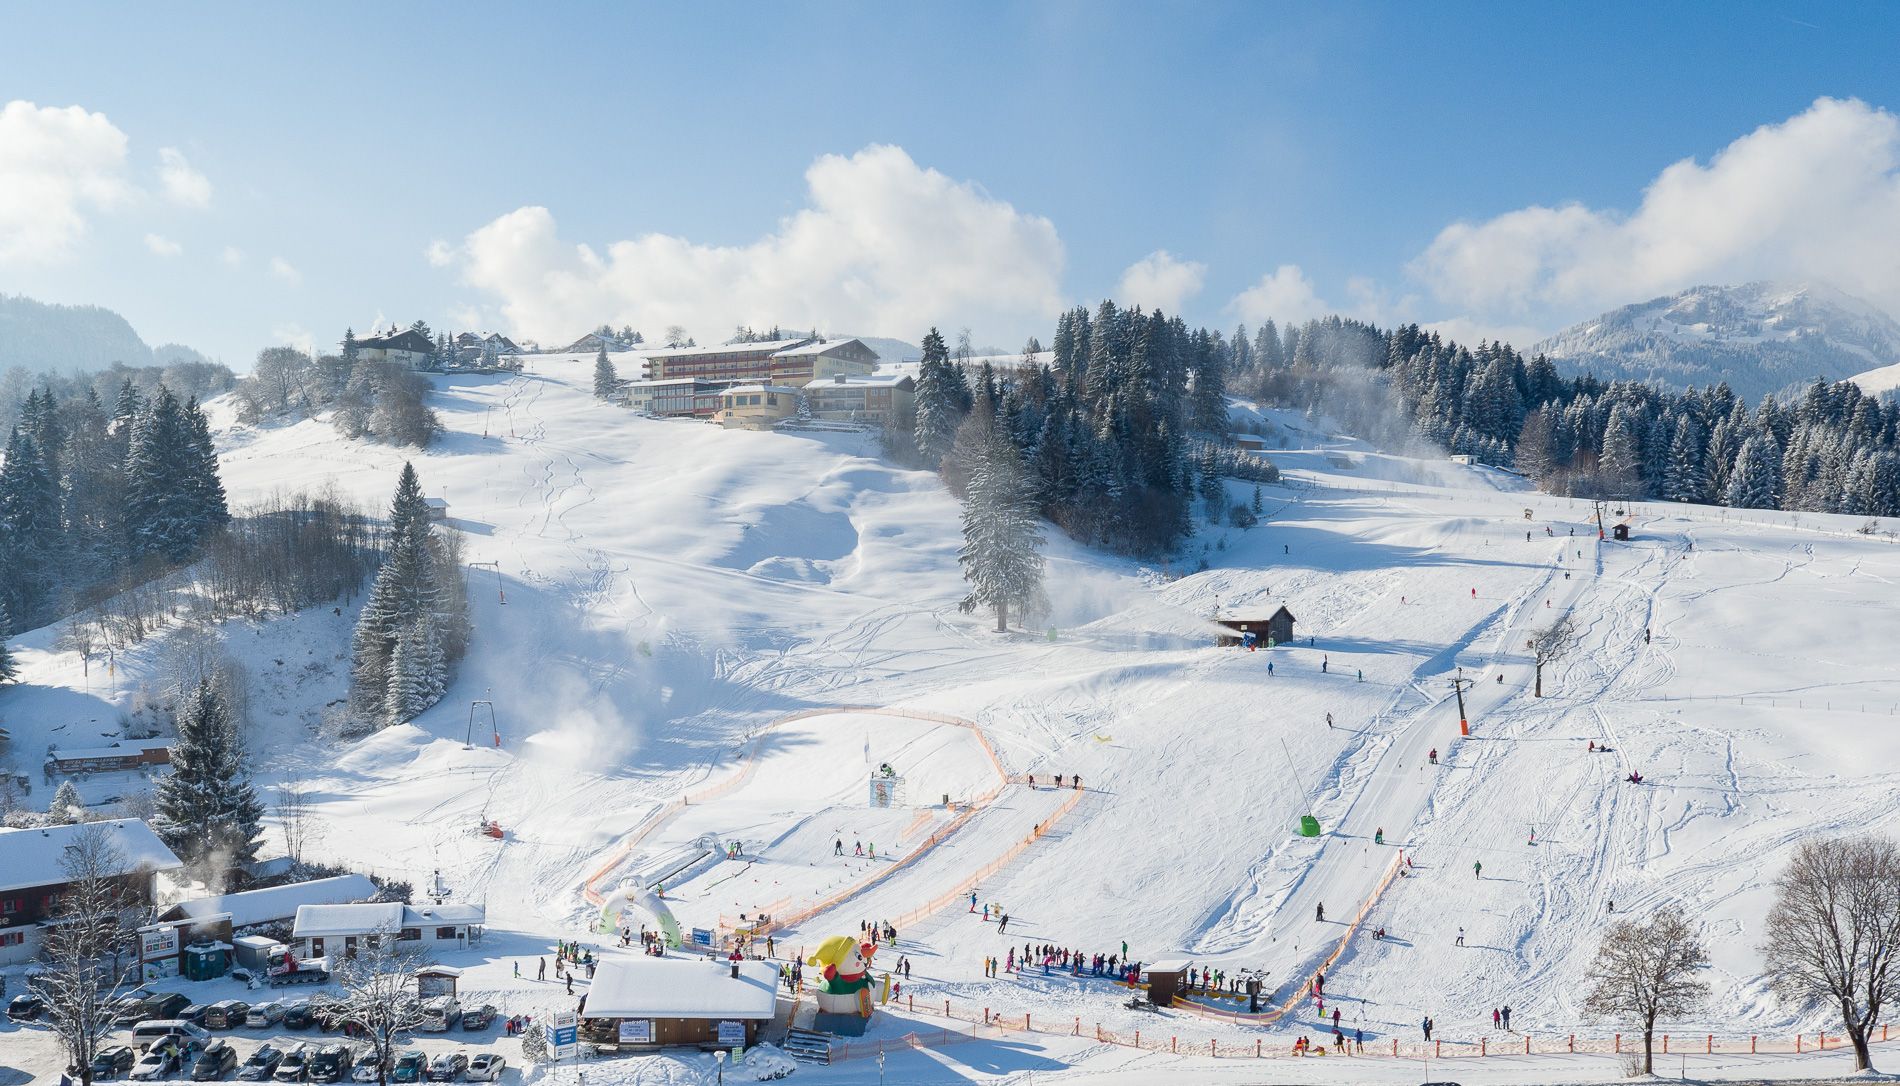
438	508
437	980
1276	627
1620	532
639	1001
1166	979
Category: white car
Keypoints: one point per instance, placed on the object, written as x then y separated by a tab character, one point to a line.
486	1067
368	1068
154	1065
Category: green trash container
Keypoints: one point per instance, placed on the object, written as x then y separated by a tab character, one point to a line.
204	961
1309	826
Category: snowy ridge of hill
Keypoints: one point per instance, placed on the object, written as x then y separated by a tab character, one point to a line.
1759	337
75	338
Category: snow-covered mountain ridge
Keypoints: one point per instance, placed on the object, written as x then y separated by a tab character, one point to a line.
1759	337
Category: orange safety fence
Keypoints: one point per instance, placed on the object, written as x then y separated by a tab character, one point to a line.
985	1024
590	887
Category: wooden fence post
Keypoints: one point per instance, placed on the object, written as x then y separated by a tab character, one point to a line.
1711	1044
1395	1048
1256	1048
1797	1042
1573	1043
1026	1028
1078	1025
1751	1044
1617	1045
946	1008
1438	1049
1482	1041
1527	1044
1174	1044
1665	1044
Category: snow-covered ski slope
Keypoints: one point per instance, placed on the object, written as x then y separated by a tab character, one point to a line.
672	588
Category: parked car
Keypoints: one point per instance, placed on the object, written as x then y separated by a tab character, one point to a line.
295	1065
172	1033
226	1014
331	1063
479	1017
448	1067
262	1064
299	1015
216	1061
268	1013
330	1013
486	1067
194	1013
154	1065
125	1001
26	1007
368	1067
409	1067
113	1061
169	1005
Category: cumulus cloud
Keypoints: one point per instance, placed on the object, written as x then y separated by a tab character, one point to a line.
284	270
882	246
292	334
56	166
1284	294
179	182
162	246
1161	281
232	256
1816	196
439	254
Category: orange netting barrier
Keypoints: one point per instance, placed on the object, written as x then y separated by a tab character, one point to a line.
987	1025
590	887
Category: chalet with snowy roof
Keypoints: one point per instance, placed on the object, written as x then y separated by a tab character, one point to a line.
877	399
1259	630
495	341
593	343
126	754
407	348
756	407
637	1001
679	397
272	904
322	930
33	875
793	362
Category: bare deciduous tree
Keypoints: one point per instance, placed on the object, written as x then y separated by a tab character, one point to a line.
1550	644
90	925
379	994
295	817
1646	970
1834	929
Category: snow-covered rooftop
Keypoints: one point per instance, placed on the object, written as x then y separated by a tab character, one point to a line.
821	347
36	857
638	986
769	346
787	389
278	902
118	749
860	380
317	921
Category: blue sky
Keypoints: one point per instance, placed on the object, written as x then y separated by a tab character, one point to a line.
1285	158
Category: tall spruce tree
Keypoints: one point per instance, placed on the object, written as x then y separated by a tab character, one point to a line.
162	514
1756	481
414	622
605	380
1002	538
30	527
208	814
9	670
939	397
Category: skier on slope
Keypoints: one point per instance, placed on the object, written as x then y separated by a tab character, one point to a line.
1477	869
1433	756
1319	911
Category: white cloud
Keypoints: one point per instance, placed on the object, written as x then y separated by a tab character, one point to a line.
1285	295
283	269
292	334
162	246
1160	281
1814	197
179	182
232	256
882	247
56	166
439	254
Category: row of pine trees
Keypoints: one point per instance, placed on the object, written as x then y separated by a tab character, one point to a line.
90	496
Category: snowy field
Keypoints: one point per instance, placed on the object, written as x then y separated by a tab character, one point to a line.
667	590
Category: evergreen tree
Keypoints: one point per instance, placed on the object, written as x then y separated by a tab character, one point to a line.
208	813
1756	481
1686	478
939	397
162	515
605	380
68	805
350	350
9	670
415	620
204	489
29	526
1002	541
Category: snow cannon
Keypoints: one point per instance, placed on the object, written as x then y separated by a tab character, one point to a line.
845	984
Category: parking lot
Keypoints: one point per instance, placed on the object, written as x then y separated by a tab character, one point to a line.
32	1049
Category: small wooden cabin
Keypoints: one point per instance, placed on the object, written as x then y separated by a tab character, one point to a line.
1620	532
1277	627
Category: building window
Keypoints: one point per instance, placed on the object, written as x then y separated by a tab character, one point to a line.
409	935
445	933
12	938
771	399
11	905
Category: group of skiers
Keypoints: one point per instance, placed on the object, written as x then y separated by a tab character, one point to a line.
1074	779
857	848
876	932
